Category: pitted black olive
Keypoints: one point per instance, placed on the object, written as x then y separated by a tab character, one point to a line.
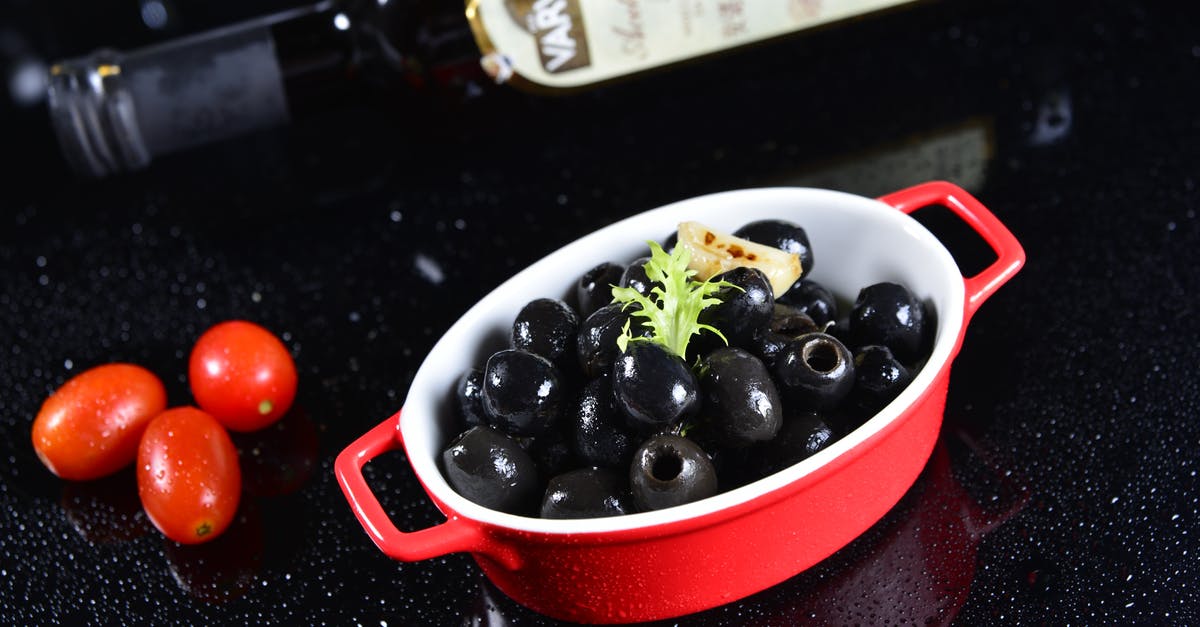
741	404
594	289
670	470
598	433
653	387
491	469
586	493
596	344
878	378
552	451
743	310
547	327
813	299
791	321
522	392
468	395
889	314
802	434
785	236
815	371
635	276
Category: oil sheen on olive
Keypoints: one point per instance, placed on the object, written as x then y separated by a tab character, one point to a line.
491	469
596	344
670	470
743	308
741	403
653	387
468	395
786	236
815	371
547	327
813	299
522	392
594	289
635	276
801	435
597	431
586	493
889	314
878	378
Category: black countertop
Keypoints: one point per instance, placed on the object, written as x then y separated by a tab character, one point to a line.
1064	487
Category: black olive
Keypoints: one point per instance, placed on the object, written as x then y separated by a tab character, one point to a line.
547	327
635	276
599	436
670	470
878	378
552	451
491	469
594	289
785	236
596	344
743	310
889	314
813	299
741	404
468	395
586	493
653	387
815	371
522	392
802	434
786	323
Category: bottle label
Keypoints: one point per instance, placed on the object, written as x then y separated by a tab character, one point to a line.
572	43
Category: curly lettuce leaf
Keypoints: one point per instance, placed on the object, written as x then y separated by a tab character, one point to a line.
672	310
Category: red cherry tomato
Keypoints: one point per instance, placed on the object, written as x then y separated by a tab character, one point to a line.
242	375
90	427
188	475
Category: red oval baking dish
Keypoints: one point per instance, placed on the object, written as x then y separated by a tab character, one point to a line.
684	559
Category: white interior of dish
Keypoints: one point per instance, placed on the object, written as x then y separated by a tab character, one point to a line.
856	241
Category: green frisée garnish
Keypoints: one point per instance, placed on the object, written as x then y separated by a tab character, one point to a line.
672	310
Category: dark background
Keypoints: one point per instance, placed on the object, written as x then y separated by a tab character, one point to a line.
1064	488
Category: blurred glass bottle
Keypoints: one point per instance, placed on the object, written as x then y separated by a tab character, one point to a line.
116	111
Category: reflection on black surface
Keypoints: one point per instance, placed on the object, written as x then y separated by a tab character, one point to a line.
225	568
106	510
280	458
915	566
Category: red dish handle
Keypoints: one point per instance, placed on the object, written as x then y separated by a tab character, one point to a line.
452	536
1010	256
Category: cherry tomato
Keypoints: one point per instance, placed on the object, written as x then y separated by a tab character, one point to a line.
90	427
242	375
188	475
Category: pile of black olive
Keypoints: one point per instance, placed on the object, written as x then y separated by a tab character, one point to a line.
563	424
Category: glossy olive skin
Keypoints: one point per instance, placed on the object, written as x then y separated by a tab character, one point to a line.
468	398
670	470
635	276
547	327
741	404
596	343
786	323
786	236
878	378
491	469
743	309
815	371
597	429
594	289
522	392
802	434
586	493
653	387
812	298
891	315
